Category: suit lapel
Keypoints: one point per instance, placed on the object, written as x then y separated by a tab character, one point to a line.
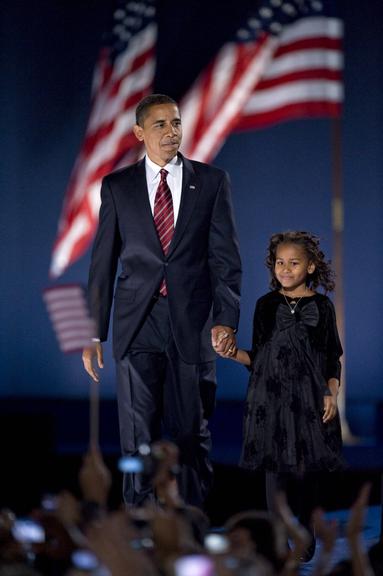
189	196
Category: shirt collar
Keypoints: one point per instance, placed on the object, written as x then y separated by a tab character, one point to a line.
154	169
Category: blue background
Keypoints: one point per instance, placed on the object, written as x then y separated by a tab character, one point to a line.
281	179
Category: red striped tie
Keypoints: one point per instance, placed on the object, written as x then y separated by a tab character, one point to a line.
164	217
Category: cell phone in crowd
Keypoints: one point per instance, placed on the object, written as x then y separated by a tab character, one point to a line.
216	543
131	465
28	531
83	559
146	462
49	502
194	565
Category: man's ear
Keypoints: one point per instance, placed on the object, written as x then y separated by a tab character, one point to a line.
138	132
311	268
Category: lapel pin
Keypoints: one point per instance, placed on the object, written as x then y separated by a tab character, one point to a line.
192	186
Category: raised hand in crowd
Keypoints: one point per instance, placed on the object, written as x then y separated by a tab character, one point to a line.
95	478
296	533
112	539
326	531
359	557
164	480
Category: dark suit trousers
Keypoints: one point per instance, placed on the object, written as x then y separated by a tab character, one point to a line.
159	395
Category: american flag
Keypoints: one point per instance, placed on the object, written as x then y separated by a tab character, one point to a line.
123	76
69	314
284	62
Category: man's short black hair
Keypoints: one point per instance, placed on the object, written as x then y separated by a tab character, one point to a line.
149	101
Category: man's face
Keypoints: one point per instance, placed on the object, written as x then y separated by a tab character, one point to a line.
161	132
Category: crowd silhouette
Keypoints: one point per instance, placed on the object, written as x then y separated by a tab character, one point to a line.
71	536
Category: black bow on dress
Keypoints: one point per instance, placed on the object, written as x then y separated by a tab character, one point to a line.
308	314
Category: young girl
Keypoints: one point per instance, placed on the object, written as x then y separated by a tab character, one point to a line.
291	422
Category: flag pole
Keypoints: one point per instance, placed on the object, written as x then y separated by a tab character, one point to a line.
337	239
94	406
94	397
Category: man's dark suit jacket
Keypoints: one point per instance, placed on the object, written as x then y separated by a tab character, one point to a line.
202	267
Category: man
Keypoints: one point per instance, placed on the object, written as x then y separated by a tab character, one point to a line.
169	221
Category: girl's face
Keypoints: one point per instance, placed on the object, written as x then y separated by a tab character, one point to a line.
292	267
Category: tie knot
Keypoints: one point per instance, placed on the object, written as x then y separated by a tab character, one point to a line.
163	173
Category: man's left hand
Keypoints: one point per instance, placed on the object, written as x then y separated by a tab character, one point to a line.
223	340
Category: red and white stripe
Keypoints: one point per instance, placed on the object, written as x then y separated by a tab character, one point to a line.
304	77
109	142
215	102
297	74
248	85
70	318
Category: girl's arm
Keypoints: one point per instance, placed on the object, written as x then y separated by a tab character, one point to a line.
246	357
239	355
333	369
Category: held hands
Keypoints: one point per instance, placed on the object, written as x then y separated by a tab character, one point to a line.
223	341
88	356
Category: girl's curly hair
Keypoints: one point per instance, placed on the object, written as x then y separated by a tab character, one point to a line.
323	275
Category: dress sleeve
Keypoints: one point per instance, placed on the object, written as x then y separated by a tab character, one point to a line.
258	332
334	347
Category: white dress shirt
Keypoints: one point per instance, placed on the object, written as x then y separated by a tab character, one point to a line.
174	180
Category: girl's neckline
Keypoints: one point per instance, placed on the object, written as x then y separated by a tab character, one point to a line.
297	297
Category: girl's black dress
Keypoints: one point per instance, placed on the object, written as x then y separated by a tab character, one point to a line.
293	357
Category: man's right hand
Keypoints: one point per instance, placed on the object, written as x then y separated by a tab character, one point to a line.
88	355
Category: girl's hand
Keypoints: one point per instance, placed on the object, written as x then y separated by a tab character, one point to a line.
237	354
330	408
